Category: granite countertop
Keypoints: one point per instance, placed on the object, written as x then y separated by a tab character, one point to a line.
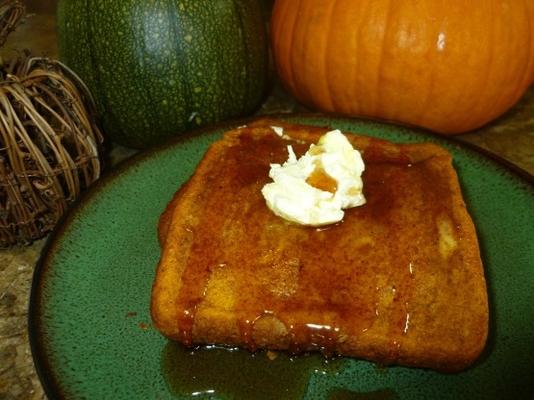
511	137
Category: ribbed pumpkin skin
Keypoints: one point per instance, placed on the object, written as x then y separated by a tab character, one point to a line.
157	68
450	66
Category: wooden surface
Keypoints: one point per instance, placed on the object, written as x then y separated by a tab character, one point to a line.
511	137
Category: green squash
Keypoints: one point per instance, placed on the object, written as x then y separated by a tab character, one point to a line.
160	67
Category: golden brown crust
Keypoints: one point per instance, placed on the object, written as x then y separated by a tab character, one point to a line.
400	281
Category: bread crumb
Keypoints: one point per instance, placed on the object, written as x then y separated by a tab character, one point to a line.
272	355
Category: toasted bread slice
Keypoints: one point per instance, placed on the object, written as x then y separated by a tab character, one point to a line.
398	281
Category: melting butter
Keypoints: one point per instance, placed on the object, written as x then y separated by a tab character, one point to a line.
315	189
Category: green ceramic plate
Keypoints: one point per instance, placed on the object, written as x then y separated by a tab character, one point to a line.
90	326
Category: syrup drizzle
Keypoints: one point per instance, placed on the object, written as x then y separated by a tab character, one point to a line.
321	180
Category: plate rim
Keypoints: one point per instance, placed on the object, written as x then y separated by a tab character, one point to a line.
51	386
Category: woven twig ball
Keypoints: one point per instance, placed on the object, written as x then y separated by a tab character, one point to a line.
49	146
11	11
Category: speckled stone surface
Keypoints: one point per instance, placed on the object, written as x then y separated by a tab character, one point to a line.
511	137
17	375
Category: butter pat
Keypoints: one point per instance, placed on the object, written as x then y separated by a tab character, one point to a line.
315	189
278	130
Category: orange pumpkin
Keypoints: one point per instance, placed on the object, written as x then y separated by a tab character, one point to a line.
450	66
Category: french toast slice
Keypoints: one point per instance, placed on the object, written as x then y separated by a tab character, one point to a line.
398	281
